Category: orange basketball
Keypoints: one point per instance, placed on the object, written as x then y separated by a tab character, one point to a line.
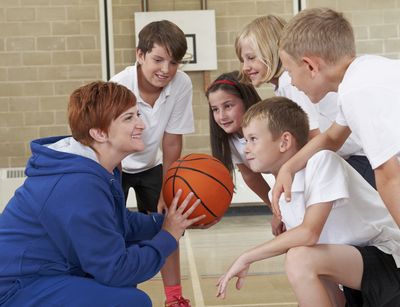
207	178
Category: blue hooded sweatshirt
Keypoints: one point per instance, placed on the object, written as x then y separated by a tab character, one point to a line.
69	218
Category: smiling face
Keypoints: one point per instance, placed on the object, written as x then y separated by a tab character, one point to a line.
253	66
125	132
227	110
157	67
263	152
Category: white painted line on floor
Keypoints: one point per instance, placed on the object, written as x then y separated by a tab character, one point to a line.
194	276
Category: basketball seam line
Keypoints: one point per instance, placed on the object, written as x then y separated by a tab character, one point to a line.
204	173
190	187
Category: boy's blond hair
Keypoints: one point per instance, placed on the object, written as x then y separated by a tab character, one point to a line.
263	33
320	32
280	115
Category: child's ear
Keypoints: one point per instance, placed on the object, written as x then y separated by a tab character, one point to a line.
139	56
312	65
286	141
98	135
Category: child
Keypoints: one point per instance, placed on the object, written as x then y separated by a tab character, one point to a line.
257	50
318	50
334	220
228	100
66	237
165	103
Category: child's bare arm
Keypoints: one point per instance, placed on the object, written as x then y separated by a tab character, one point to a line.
331	139
172	149
306	234
387	178
256	183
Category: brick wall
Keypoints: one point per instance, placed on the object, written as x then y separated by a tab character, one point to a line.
50	47
47	49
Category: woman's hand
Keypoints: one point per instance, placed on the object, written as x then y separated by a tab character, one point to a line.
176	220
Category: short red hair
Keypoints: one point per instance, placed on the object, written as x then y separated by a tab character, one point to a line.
96	105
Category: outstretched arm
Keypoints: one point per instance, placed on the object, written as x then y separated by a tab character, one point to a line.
306	234
331	139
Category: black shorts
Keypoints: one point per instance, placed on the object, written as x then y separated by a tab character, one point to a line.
147	186
380	285
364	168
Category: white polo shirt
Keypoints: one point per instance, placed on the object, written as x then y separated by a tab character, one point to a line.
328	109
358	216
237	145
172	113
369	101
286	89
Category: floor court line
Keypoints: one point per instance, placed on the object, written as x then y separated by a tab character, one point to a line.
194	275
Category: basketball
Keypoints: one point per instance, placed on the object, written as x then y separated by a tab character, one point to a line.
207	178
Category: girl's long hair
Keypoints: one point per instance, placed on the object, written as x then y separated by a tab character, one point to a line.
219	139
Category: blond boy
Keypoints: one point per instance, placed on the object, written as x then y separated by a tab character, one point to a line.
318	50
338	229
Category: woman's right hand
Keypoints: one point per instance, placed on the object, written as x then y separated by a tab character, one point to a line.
176	220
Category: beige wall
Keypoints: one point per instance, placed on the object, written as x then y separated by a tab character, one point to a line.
50	47
47	49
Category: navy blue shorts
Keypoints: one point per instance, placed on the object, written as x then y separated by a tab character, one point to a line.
380	285
364	168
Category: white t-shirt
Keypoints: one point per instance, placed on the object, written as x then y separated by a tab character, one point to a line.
328	109
358	216
237	145
369	101
286	89
171	113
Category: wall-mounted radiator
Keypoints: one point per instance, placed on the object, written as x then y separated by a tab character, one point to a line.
10	180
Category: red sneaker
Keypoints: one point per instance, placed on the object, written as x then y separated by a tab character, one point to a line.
179	302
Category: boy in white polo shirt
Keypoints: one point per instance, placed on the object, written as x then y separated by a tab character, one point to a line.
351	150
164	100
318	50
338	229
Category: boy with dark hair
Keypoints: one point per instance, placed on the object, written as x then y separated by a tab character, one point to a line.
318	50
164	98
334	220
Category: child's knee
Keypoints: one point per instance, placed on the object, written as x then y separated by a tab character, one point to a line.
298	264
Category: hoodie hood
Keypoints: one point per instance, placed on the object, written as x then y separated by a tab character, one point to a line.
62	155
